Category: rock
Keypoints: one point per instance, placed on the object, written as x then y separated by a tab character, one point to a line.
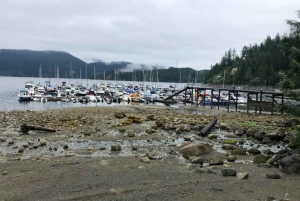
151	117
115	147
268	152
151	155
273	176
120	115
190	166
104	163
145	160
178	130
254	151
228	141
4	173
271	161
223	125
43	142
122	130
239	132
274	136
239	151
159	122
187	138
65	146
270	199
195	149
228	172
266	140
251	132
227	146
150	131
87	133
260	158
215	161
134	147
212	136
294	151
197	160
290	164
199	170
242	175
2	139
231	158
130	134
259	135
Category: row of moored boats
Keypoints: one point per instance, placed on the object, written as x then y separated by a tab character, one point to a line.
111	93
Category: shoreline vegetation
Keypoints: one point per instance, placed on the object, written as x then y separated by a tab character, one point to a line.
148	152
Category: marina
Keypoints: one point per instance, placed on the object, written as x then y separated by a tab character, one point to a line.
39	94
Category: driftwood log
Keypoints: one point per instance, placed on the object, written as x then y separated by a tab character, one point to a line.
24	128
207	128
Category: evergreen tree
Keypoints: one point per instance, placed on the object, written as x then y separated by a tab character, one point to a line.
291	47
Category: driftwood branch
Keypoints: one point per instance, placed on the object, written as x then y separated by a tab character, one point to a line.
25	128
207	128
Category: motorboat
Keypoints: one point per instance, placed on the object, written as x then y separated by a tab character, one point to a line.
91	97
37	96
30	87
48	97
83	99
135	97
24	95
41	88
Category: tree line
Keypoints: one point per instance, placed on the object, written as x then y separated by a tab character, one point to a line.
275	62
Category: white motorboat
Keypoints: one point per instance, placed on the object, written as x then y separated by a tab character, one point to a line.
30	87
24	95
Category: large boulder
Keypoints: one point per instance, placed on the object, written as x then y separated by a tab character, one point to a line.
251	132
195	149
259	135
290	164
254	151
275	136
260	158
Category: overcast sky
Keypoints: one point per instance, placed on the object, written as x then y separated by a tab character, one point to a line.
195	33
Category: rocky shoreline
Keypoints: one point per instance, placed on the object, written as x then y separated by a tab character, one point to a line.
239	148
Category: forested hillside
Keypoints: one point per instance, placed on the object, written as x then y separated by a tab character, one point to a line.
176	75
274	62
258	64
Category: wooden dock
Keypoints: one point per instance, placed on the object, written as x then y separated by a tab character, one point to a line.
255	99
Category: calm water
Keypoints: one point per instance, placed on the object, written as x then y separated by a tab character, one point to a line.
11	85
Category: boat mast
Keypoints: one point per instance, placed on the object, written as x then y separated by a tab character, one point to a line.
86	74
80	76
57	71
40	71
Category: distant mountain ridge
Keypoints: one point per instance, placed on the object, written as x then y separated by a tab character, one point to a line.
26	63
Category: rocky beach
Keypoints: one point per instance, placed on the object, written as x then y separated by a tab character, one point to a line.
147	152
